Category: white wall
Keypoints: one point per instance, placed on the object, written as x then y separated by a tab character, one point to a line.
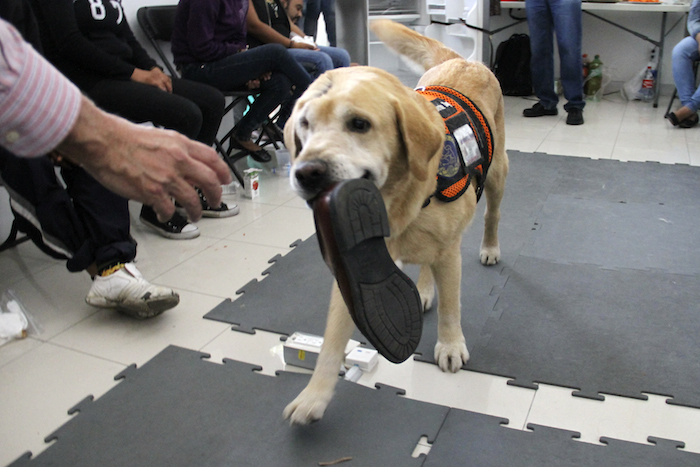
621	52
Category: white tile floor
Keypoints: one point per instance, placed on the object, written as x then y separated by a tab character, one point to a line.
81	348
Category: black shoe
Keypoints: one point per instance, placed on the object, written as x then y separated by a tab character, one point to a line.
178	227
575	116
222	211
538	110
689	122
260	155
384	303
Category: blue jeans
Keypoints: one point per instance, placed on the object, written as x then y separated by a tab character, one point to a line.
312	10
684	54
544	19
289	80
318	62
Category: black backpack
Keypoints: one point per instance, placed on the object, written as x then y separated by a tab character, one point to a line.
512	67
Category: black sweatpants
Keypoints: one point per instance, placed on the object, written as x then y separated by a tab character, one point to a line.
193	109
83	223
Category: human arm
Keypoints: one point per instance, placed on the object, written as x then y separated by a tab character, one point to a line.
268	35
295	29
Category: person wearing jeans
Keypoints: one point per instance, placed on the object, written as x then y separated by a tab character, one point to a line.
209	46
545	18
685	54
282	16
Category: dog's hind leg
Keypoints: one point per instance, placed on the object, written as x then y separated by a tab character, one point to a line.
451	349
311	403
490	252
426	286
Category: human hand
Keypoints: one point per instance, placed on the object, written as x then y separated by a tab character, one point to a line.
153	77
303	45
253	84
146	164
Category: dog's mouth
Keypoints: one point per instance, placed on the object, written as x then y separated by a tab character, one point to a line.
313	178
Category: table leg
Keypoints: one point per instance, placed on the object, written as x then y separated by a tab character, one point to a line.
657	82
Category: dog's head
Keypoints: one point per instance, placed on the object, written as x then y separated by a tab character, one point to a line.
361	122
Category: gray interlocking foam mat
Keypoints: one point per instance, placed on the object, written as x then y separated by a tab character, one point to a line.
181	410
478	440
178	410
597	289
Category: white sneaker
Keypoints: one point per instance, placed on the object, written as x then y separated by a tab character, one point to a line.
128	292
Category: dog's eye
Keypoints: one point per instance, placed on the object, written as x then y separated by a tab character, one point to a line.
359	125
304	123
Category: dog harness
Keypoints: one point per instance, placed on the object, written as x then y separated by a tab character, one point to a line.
468	148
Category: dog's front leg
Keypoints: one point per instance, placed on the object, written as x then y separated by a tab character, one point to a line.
311	403
451	349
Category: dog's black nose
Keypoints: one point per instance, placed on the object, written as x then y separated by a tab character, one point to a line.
312	175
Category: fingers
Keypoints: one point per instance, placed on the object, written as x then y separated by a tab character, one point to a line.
164	208
208	156
187	197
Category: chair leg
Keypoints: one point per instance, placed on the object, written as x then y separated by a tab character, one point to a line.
670	104
230	161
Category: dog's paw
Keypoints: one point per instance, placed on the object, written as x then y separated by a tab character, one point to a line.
451	357
306	408
490	255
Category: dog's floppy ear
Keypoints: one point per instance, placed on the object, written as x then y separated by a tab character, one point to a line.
291	140
421	137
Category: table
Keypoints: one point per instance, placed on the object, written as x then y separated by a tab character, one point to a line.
664	8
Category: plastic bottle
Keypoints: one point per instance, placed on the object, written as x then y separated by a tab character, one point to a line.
595	77
647	91
586	64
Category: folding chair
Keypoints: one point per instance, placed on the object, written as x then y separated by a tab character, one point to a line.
157	23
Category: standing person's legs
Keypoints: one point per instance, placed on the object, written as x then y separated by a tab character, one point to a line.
328	9
539	21
312	10
568	27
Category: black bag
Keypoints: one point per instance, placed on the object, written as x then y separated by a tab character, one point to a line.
512	67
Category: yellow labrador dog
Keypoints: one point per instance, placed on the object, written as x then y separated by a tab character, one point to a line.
362	122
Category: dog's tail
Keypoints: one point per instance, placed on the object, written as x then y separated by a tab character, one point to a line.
423	51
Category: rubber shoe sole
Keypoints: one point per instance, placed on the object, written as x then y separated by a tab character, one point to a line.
351	223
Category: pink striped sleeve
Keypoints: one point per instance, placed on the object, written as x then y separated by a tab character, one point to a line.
38	105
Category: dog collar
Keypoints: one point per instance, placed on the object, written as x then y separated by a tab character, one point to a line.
468	147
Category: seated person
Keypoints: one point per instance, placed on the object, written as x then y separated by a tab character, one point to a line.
91	43
283	16
685	53
85	224
209	45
